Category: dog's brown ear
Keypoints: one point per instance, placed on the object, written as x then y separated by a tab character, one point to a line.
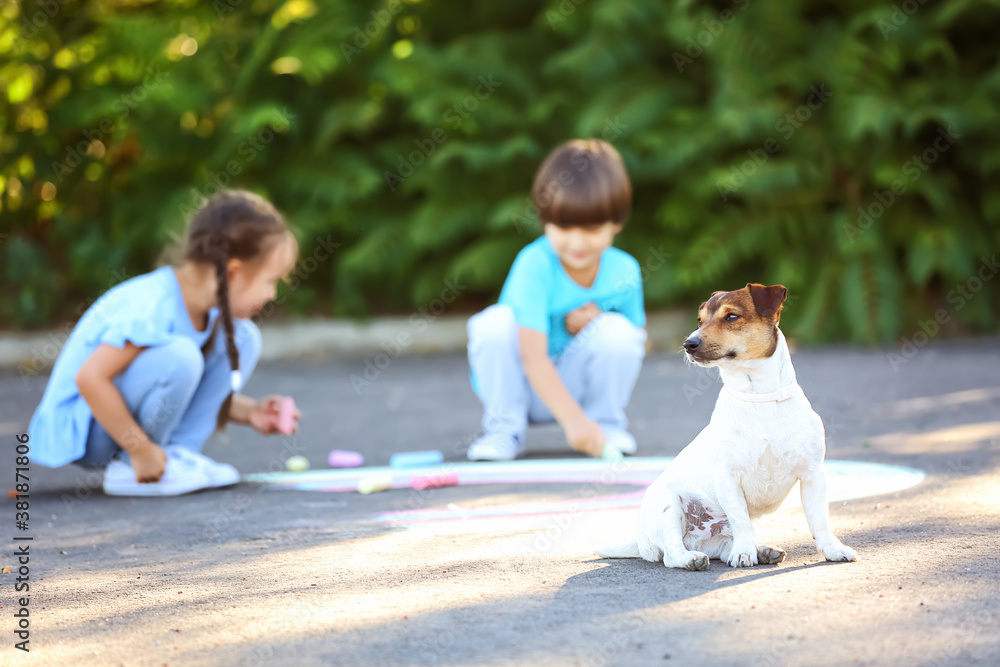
767	300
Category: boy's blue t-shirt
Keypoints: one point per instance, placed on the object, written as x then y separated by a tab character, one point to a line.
542	294
148	310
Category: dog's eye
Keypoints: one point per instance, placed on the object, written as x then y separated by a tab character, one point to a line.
699	321
732	317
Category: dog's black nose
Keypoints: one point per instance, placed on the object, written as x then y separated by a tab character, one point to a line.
692	344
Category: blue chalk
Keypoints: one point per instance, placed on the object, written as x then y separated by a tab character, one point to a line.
431	457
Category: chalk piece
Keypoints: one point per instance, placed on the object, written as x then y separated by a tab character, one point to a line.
340	458
374	483
286	416
612	454
297	464
435	481
431	457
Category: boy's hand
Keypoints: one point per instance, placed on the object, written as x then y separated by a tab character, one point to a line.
264	415
585	435
581	317
149	462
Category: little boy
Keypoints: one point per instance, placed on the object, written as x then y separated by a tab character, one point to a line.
566	340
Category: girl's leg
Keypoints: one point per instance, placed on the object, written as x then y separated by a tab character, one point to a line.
498	379
157	387
199	419
101	448
600	368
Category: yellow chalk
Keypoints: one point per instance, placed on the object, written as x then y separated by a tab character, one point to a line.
297	464
375	483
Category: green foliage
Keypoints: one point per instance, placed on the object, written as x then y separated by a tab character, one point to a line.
757	136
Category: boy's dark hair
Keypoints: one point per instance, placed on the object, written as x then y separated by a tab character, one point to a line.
233	224
581	183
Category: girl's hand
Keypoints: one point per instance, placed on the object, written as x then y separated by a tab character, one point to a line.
585	435
149	462
581	317
264	415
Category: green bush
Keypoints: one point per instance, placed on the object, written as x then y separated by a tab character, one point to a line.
756	134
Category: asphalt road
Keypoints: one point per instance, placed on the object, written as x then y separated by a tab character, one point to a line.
255	576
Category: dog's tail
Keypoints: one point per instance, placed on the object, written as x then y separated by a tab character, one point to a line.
629	549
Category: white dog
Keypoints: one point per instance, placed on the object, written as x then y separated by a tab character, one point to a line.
762	438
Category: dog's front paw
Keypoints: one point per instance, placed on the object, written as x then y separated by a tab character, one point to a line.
770	555
739	558
839	552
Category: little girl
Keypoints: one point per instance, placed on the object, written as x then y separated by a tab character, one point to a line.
144	379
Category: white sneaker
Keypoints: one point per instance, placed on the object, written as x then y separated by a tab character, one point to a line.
182	475
218	474
496	447
620	440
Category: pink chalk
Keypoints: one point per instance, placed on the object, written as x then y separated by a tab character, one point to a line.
340	458
286	416
436	481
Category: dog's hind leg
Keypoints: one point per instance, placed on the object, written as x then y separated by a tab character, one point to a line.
649	551
714	547
675	554
768	555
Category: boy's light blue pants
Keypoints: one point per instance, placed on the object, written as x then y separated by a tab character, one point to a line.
175	393
599	369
